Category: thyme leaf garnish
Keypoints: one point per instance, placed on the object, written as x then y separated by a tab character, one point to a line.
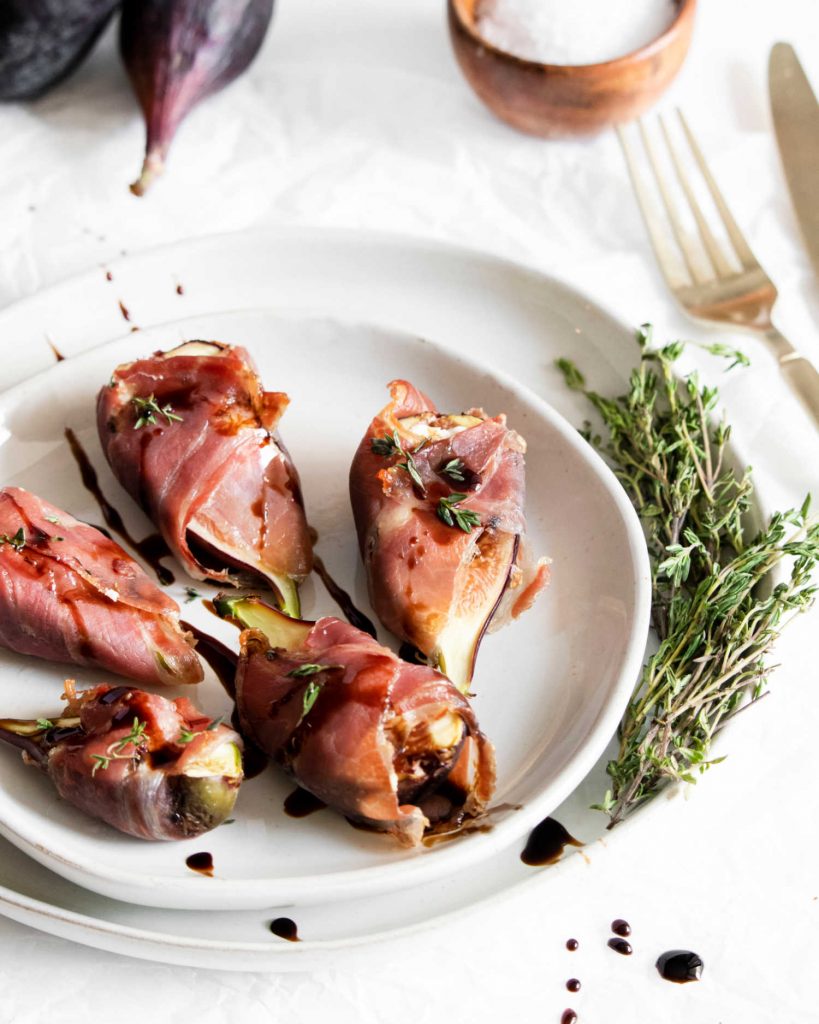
18	541
135	736
454	469
717	607
148	409
311	695
100	761
390	445
449	512
308	669
386	446
191	594
185	736
314	687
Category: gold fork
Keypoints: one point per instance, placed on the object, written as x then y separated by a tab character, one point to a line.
714	282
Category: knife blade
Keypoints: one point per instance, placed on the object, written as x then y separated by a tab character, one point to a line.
796	122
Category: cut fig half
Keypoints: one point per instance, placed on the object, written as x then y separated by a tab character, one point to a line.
480	585
423	741
231	564
282	631
438	501
193	436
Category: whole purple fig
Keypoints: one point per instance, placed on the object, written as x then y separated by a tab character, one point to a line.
177	52
43	41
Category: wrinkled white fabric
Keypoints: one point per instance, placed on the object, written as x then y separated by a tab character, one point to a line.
355	114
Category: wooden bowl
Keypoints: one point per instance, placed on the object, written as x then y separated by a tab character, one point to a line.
561	101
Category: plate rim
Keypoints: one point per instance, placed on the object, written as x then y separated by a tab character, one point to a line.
293	234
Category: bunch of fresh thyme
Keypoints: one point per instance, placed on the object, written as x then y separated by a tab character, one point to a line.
716	607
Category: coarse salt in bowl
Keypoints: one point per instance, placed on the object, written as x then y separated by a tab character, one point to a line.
558	68
572	31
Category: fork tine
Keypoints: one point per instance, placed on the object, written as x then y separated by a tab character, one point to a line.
720	264
743	250
666	254
699	275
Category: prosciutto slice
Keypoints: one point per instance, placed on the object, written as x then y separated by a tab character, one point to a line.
190	435
438	506
391	745
150	767
69	593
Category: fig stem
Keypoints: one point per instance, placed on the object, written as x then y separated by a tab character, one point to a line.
152	167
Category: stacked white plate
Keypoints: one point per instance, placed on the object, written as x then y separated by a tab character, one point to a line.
330	318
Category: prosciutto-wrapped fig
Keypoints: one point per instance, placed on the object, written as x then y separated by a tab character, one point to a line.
438	506
69	593
150	767
189	434
390	745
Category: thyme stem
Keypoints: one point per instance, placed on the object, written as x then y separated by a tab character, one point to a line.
717	607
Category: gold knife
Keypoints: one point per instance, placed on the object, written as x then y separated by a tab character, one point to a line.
796	121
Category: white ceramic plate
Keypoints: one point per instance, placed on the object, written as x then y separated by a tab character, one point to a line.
550	689
460	299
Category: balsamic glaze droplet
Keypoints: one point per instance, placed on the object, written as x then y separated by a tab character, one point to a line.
568	1017
57	353
572	945
201	862
620	946
546	843
300	803
680	966
285	928
573	985
621	927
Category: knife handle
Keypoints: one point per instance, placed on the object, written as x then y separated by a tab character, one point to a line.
799	372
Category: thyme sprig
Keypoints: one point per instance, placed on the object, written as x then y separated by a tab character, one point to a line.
18	541
390	445
148	409
449	512
717	607
135	737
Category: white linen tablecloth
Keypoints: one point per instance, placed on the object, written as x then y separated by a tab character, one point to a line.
355	115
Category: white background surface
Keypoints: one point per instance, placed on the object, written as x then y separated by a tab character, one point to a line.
355	115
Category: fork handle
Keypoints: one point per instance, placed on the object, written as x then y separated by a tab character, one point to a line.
800	372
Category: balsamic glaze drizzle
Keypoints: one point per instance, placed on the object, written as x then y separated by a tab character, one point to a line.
153	547
352	614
